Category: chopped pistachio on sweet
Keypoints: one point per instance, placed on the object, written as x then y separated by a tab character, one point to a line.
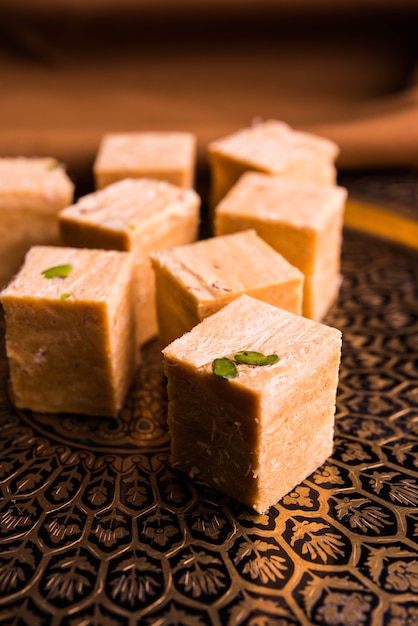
224	368
65	296
251	357
60	271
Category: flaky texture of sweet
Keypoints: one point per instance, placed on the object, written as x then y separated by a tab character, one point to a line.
69	339
272	147
256	436
301	220
167	155
140	215
196	280
32	191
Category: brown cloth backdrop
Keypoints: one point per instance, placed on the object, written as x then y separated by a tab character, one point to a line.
71	70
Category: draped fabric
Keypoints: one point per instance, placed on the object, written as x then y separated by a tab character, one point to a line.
72	70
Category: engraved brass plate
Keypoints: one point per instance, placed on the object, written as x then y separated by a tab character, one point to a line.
97	529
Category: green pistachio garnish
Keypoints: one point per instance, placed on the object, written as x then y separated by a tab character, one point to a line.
251	357
65	296
224	368
54	165
60	271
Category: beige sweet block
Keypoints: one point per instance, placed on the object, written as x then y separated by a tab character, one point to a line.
320	293
32	191
69	338
271	147
139	215
196	280
164	155
255	436
303	221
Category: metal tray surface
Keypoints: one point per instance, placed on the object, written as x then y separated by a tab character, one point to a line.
97	529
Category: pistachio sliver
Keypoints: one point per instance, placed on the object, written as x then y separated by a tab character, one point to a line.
251	357
224	368
60	271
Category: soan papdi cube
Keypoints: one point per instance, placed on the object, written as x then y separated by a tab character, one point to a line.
138	215
164	155
69	328
32	191
257	435
271	147
303	221
196	280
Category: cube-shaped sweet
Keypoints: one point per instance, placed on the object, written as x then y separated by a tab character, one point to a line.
166	155
272	147
32	191
196	280
139	215
320	292
252	393
69	329
303	221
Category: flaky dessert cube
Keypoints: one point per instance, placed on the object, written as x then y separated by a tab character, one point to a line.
166	155
257	435
320	293
69	330
138	215
196	280
32	191
272	147
303	221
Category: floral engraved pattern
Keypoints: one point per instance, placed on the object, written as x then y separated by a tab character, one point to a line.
200	574
336	600
316	541
328	474
403	576
341	608
397	565
16	566
70	578
18	516
177	614
208	523
403	450
401	614
362	514
24	612
135	581
64	526
101	490
259	611
301	497
96	528
66	484
111	528
354	452
160	529
400	488
31	479
173	489
257	560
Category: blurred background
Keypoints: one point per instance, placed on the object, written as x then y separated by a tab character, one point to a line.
71	70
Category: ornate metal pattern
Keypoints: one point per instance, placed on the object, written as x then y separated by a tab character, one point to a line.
97	529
